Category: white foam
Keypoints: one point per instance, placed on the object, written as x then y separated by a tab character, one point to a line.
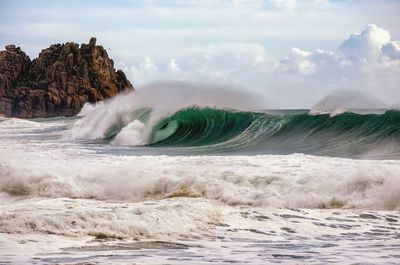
131	134
191	231
87	108
75	217
266	180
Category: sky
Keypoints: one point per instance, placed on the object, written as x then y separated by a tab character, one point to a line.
290	53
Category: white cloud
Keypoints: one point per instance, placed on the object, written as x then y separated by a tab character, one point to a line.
367	61
366	44
373	46
144	70
289	4
392	50
222	63
247	3
173	66
304	62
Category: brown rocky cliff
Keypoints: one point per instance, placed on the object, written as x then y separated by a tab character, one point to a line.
59	82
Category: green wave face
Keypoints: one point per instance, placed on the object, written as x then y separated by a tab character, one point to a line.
164	130
199	127
347	134
220	130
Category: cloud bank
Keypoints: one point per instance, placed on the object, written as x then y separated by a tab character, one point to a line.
367	62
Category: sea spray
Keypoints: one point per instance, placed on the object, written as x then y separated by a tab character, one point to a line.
340	101
163	98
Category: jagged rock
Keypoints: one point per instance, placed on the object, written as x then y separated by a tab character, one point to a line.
59	82
92	41
10	47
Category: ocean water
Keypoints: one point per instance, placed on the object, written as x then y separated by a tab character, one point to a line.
133	182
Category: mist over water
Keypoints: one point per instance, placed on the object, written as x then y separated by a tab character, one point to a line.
355	101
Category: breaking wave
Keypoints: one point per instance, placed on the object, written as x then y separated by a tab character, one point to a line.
221	130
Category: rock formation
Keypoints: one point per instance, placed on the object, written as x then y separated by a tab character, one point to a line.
59	82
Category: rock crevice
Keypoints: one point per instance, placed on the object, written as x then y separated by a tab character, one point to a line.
59	82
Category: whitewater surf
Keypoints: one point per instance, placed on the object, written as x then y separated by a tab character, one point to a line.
155	182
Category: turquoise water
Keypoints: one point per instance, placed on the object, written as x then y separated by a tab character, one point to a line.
220	131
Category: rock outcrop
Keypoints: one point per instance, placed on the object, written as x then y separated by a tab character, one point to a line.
59	82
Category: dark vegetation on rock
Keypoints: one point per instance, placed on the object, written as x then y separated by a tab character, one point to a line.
59	82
